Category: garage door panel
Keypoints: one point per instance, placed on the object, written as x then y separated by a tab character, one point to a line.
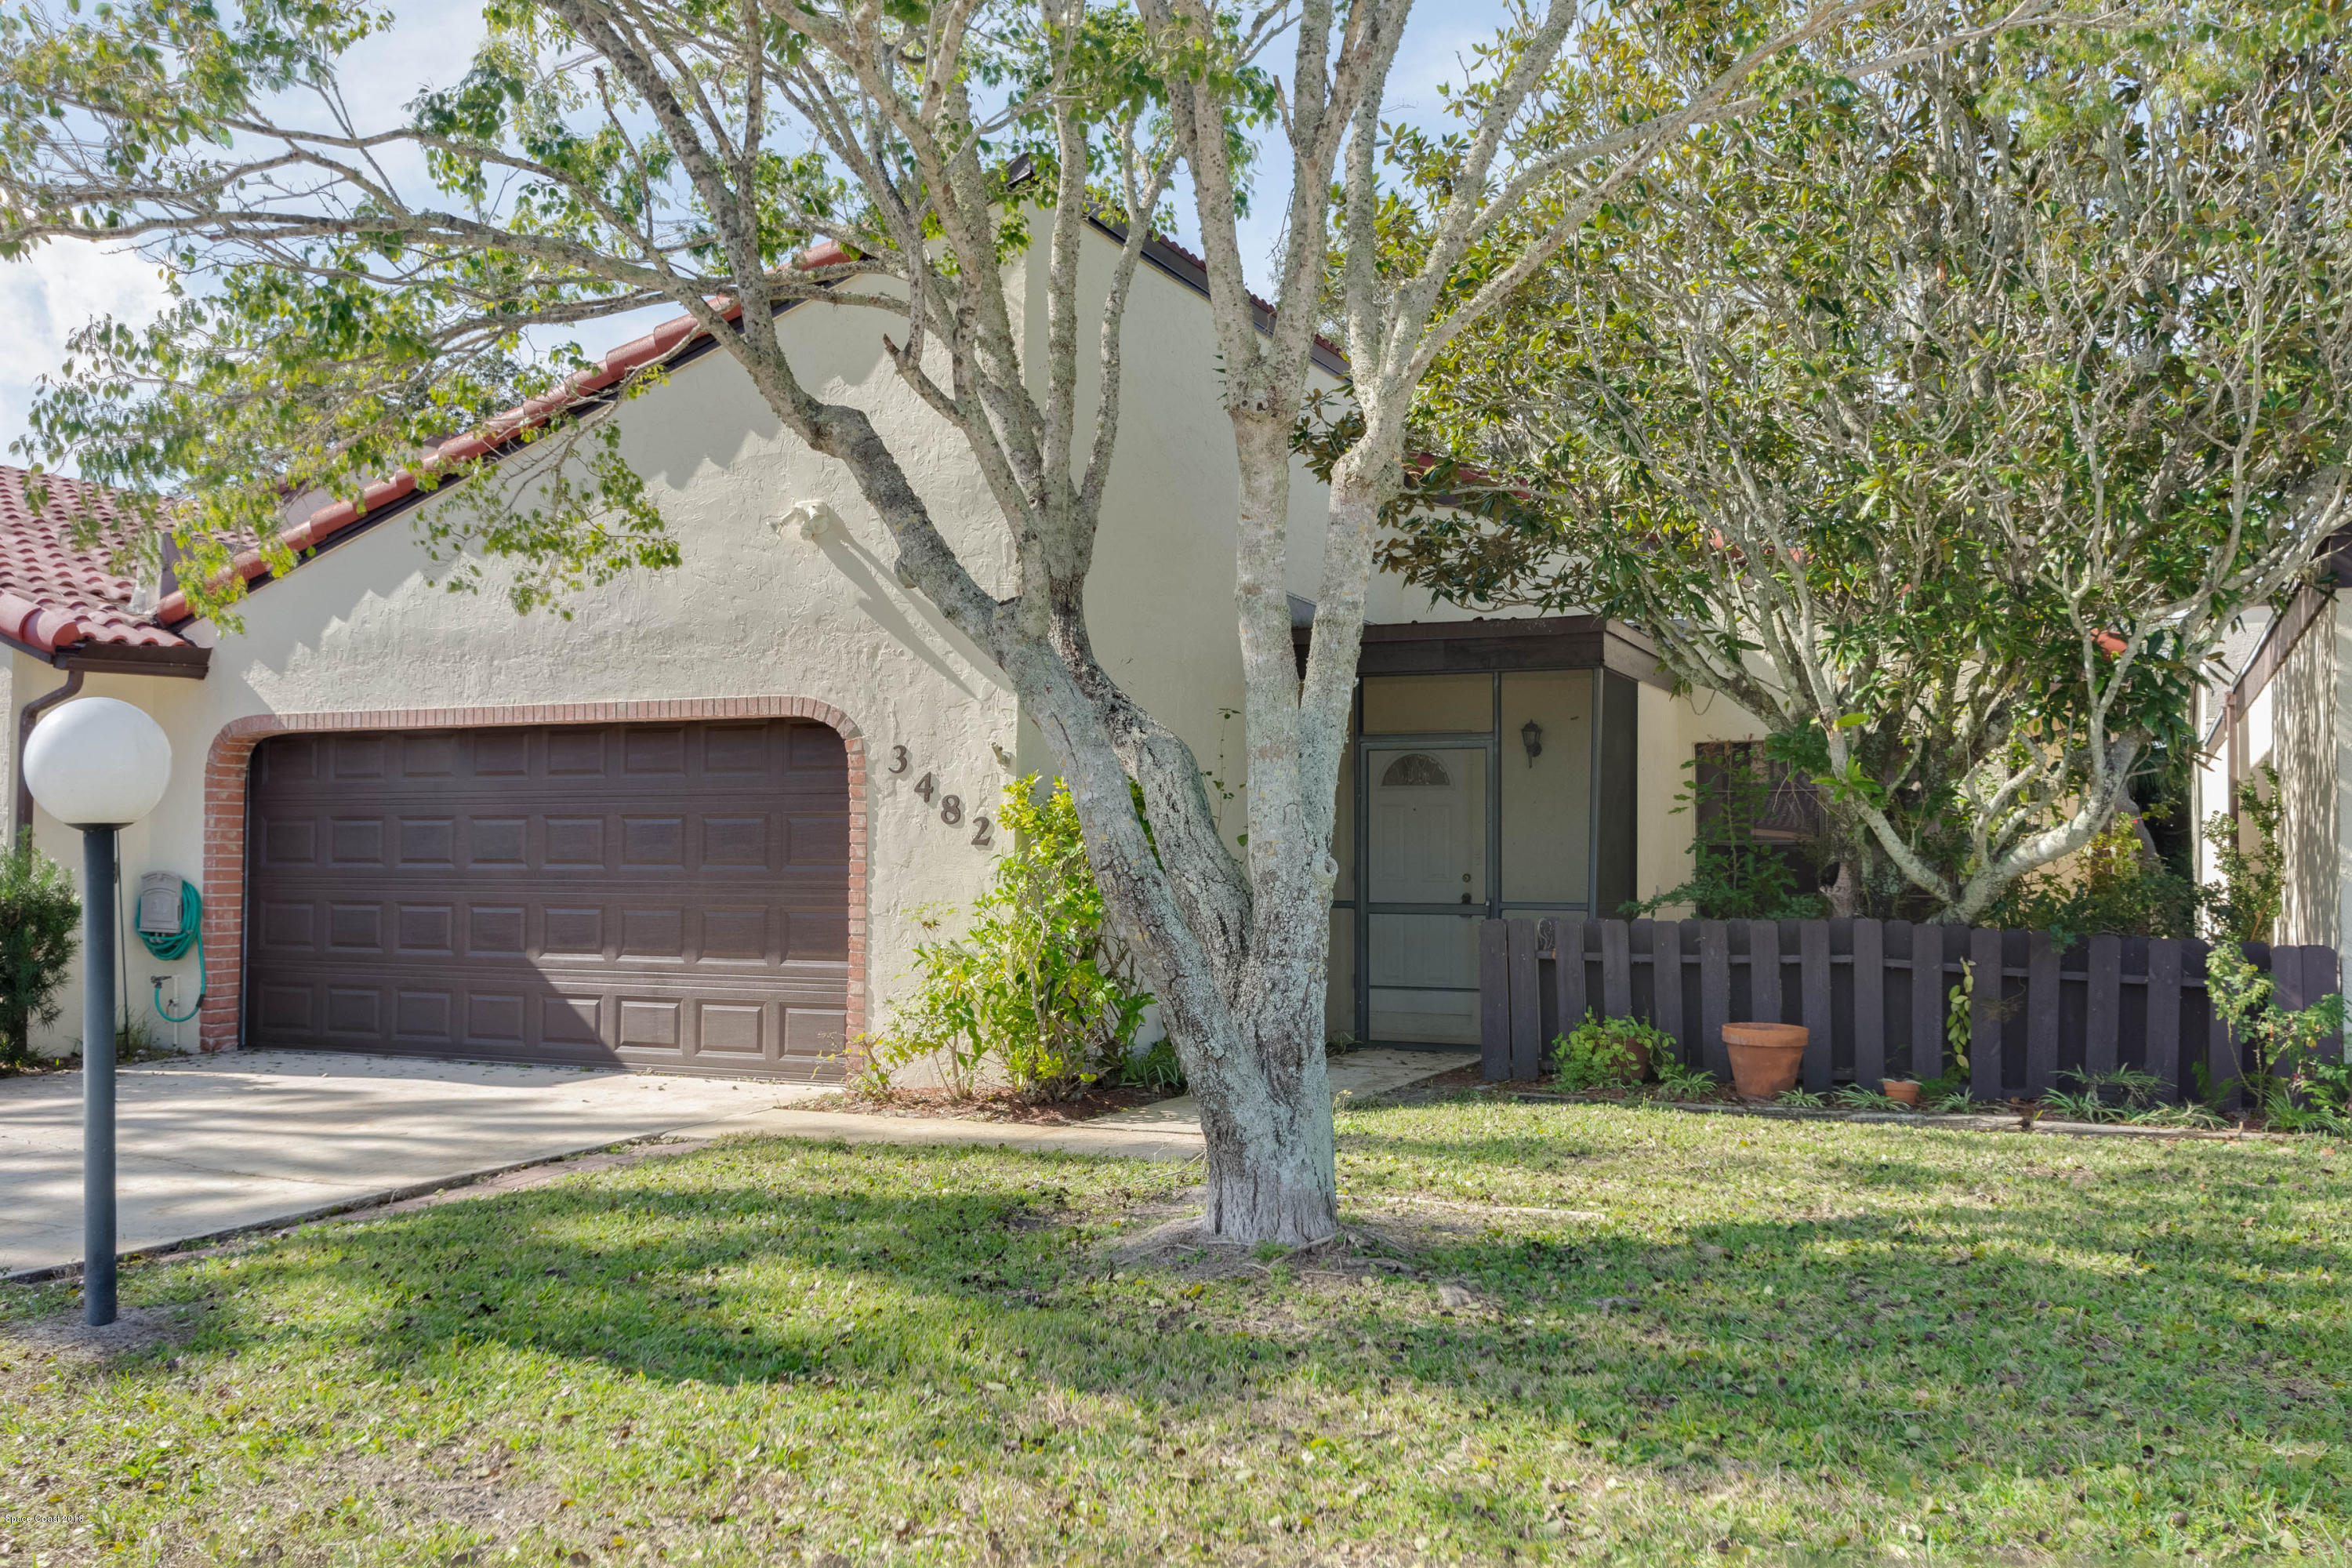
572	1021
821	938
735	936
648	1021
818	840
815	1032
355	927
423	1017
354	1011
574	844
580	753
355	841
738	749
817	748
498	754
728	1028
428	843
285	1007
495	843
654	894
734	842
571	932
494	931
647	751
291	759
653	843
653	933
494	1017
289	841
286	927
427	928
428	756
361	756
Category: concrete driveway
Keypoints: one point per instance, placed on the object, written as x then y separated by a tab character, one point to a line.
214	1143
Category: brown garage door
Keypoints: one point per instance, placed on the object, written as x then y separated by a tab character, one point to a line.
664	895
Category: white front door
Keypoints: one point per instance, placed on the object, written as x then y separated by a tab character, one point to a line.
1427	821
1423	851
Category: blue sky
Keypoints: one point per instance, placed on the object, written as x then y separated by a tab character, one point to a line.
46	297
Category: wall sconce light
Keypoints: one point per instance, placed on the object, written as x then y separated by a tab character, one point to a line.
1531	736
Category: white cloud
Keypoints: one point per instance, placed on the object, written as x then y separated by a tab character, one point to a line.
44	299
49	297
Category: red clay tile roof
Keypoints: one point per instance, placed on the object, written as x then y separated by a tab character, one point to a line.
55	594
659	343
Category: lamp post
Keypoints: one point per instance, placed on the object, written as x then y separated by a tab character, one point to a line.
98	764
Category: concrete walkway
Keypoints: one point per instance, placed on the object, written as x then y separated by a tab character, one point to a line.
1359	1075
251	1140
248	1138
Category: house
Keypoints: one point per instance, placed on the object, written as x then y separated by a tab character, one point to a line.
689	826
2283	702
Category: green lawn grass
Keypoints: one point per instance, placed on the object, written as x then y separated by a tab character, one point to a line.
1670	1337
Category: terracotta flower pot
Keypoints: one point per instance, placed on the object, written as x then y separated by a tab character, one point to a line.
1765	1058
1641	1061
1904	1090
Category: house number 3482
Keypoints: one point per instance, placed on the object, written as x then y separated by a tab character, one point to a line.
950	806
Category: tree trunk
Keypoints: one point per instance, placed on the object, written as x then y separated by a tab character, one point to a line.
1844	893
1246	1017
1265	1108
1269	1148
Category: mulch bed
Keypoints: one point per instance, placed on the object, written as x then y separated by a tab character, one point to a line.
1001	1106
2015	1116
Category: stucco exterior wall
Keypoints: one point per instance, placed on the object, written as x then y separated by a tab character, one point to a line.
148	846
1671	730
11	684
369	626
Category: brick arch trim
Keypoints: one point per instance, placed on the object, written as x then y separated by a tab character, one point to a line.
227	769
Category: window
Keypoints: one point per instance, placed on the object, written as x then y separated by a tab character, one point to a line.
1779	806
1417	768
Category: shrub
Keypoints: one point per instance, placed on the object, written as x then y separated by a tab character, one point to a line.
1601	1052
2117	1094
2285	1045
1157	1068
1678	1081
2114	885
1035	990
38	919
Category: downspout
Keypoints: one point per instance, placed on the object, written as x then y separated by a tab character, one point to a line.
29	715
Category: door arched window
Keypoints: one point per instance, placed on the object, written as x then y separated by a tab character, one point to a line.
1417	769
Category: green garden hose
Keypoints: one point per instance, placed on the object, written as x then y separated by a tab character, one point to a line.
175	944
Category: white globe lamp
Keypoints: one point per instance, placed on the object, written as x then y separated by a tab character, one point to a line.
98	764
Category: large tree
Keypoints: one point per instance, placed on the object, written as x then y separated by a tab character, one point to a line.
1945	426
358	292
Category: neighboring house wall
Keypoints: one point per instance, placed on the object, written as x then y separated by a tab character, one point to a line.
2306	746
2292	709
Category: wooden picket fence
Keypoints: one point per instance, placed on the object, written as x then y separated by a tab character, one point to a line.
1875	996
